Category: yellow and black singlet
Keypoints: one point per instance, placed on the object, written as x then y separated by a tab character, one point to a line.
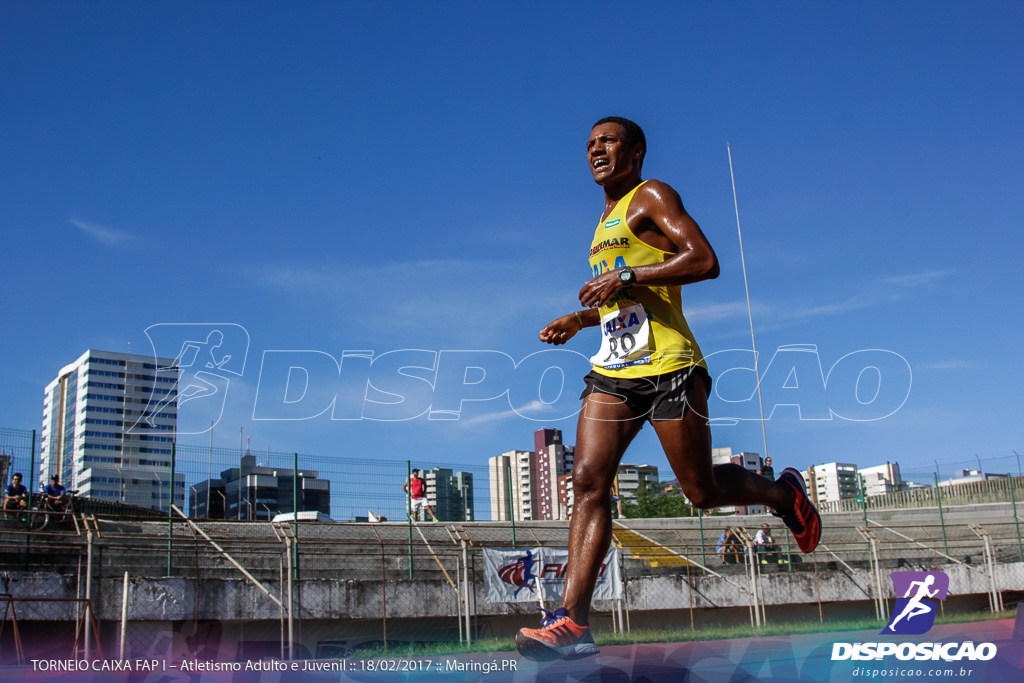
643	331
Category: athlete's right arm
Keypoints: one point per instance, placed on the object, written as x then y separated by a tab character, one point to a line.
561	330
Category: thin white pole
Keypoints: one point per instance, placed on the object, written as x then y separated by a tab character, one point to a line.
124	613
750	314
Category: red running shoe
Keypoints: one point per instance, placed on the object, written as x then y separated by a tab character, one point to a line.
560	638
804	521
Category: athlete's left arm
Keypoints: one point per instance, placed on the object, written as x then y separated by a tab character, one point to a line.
658	217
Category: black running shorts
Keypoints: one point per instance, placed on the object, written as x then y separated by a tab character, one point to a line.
661	397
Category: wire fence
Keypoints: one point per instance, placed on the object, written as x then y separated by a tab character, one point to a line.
140	588
244	484
114	579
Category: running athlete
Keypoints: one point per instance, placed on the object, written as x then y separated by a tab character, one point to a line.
648	367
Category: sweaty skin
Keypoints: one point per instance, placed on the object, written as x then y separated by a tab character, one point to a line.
606	425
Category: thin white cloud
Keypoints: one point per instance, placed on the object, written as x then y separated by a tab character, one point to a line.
520	412
949	365
711	313
104	235
853	303
895	290
917	279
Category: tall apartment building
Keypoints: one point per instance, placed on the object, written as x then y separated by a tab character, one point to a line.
450	494
749	461
534	479
831	482
508	475
881	479
109	422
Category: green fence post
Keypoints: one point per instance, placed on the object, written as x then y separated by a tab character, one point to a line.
511	505
408	507
170	512
31	474
295	515
1016	522
942	521
700	522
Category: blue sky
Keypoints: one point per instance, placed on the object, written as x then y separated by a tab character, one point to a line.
389	176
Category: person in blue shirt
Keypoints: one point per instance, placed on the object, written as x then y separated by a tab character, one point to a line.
16	495
56	495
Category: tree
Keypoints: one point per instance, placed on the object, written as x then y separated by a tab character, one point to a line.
652	500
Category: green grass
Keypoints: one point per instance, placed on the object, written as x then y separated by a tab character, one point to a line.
678	635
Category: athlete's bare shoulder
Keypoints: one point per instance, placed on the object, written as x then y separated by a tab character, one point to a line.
656	213
657	194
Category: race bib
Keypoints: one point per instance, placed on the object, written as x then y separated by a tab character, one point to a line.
625	338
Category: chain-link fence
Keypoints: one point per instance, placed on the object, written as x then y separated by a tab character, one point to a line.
242	483
126	580
228	590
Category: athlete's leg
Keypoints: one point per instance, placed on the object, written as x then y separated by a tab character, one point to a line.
687	444
605	428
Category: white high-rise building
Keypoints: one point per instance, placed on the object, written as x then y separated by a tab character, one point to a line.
514	464
109	422
881	479
831	482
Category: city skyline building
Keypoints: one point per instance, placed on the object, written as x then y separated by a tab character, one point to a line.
968	475
751	462
109	423
255	492
881	479
504	474
532	477
450	494
832	482
627	481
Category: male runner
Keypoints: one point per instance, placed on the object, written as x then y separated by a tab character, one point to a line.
649	367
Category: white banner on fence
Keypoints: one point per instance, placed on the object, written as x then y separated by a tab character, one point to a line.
528	575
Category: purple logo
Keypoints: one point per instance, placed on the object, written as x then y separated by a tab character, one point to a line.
915	607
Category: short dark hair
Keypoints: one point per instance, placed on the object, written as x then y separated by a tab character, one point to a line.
634	133
55	477
18	475
416	471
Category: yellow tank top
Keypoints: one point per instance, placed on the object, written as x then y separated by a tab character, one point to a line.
643	331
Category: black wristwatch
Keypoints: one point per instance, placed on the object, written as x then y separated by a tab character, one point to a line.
627	277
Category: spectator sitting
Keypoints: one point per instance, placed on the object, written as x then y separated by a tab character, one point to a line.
56	495
16	495
729	547
764	543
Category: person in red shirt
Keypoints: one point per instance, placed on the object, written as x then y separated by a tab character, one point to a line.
416	488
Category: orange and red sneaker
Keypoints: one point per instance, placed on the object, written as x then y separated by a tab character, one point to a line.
559	638
804	521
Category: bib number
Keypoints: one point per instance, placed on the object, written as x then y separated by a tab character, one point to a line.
625	338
